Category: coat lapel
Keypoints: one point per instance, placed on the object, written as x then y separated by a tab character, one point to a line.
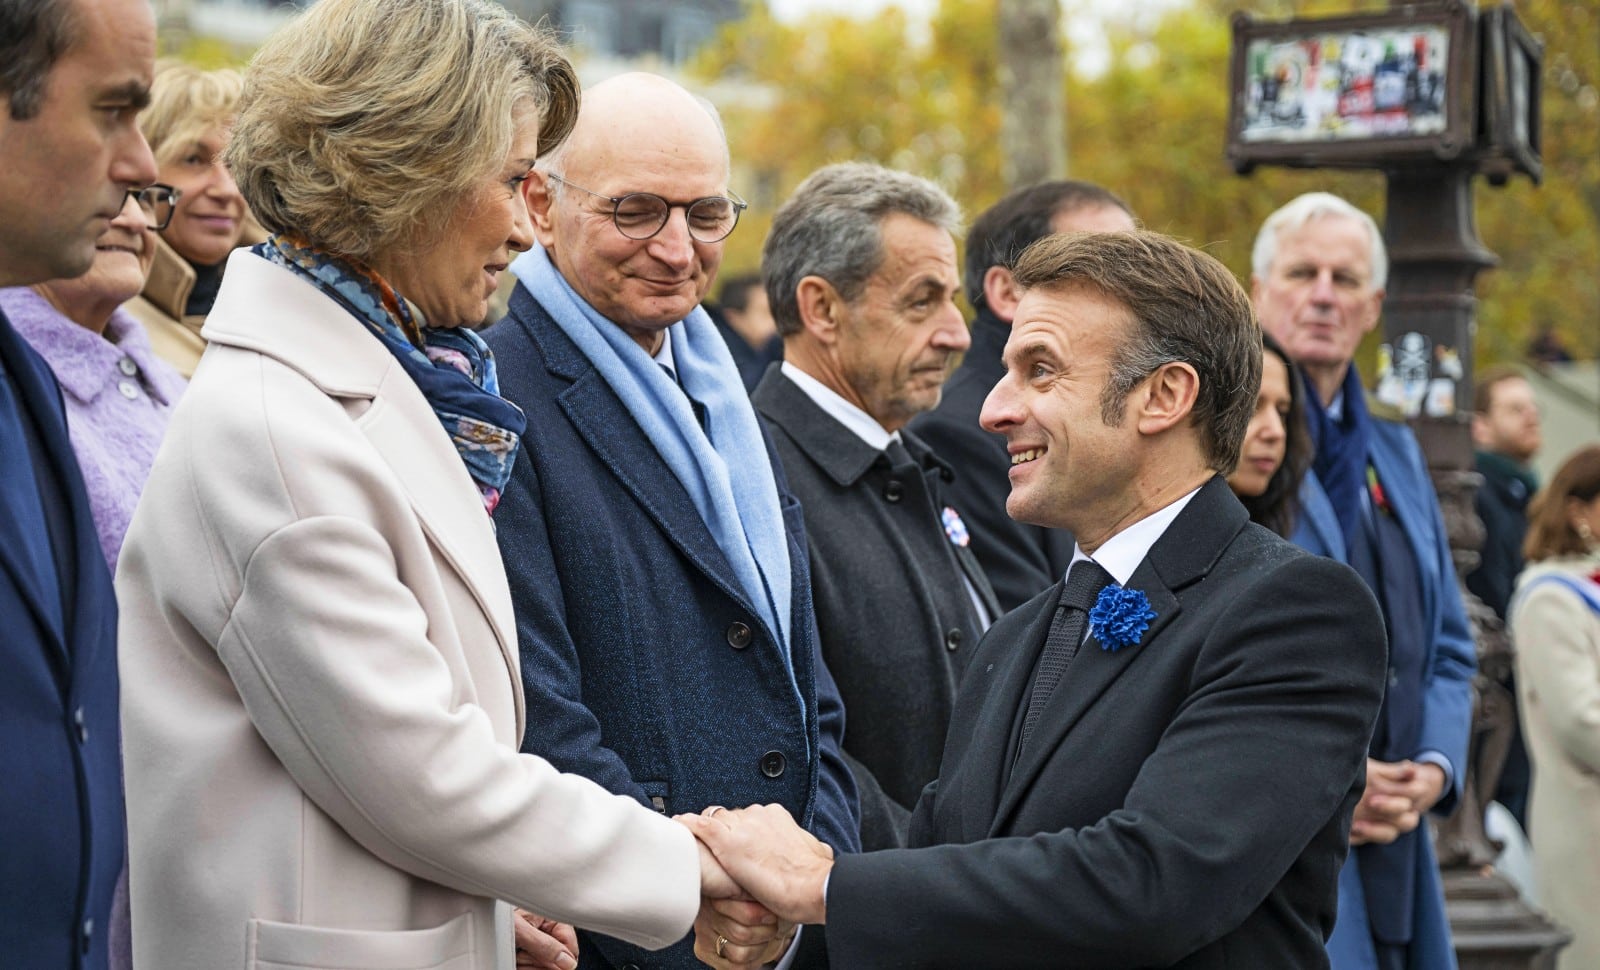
31	395
310	333
1318	529
1092	673
1407	494
988	761
618	440
1180	557
831	446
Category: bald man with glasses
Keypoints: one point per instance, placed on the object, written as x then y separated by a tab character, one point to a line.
656	557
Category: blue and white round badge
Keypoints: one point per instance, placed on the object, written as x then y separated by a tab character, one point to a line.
954	528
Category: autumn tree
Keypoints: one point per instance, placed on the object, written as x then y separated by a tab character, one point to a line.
1151	126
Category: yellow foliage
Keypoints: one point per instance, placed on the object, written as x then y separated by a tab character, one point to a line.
925	98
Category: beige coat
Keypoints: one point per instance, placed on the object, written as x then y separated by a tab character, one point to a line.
1558	688
174	335
320	682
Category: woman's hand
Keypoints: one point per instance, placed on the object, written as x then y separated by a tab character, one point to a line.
544	944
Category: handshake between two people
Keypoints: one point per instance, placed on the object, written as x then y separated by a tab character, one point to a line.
761	876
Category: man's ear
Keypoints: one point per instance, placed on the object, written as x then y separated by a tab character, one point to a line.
1166	398
538	193
819	305
1000	292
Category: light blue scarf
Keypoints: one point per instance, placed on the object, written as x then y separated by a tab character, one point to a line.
737	500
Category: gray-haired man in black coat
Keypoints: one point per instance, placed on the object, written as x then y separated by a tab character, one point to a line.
861	276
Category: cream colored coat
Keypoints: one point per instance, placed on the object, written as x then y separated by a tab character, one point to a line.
320	685
1558	688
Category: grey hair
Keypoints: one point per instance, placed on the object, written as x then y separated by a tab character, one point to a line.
34	34
830	228
1302	210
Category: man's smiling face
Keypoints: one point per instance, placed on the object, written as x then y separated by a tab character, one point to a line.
1066	460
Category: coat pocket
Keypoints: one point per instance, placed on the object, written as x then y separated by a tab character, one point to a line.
292	946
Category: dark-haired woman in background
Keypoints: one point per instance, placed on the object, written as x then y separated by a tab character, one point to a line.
1277	448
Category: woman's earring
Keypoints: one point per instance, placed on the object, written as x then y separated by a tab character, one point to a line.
1584	532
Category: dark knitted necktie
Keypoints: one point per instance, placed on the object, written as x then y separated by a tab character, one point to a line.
1083	586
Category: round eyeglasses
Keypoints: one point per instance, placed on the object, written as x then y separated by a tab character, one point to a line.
640	215
157	202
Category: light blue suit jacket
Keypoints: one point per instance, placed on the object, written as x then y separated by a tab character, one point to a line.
1447	692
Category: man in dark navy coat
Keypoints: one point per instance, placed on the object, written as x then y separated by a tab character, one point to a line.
1318	276
861	262
656	558
73	74
1154	762
1019	558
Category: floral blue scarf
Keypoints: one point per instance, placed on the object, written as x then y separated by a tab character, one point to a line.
452	366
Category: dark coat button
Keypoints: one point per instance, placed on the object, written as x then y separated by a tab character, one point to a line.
893	491
952	640
772	764
740	635
630	966
83	728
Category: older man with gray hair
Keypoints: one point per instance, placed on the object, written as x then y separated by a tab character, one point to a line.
656	557
1317	281
861	275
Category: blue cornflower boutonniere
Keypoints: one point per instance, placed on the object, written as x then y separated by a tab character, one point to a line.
1120	617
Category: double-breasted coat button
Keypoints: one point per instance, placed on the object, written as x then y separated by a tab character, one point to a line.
83	727
740	635
86	935
772	764
952	640
127	366
630	966
893	490
128	389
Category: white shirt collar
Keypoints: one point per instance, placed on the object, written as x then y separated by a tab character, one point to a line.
860	423
663	354
1122	553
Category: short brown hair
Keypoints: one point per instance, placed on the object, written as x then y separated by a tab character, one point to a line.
365	122
1486	379
1183	306
34	34
1550	533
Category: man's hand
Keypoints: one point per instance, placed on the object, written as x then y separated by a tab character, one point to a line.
544	944
734	934
1397	795
775	861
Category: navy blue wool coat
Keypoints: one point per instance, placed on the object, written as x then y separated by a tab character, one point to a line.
646	667
61	811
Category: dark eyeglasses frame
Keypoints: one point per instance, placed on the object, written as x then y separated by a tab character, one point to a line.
172	196
739	205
